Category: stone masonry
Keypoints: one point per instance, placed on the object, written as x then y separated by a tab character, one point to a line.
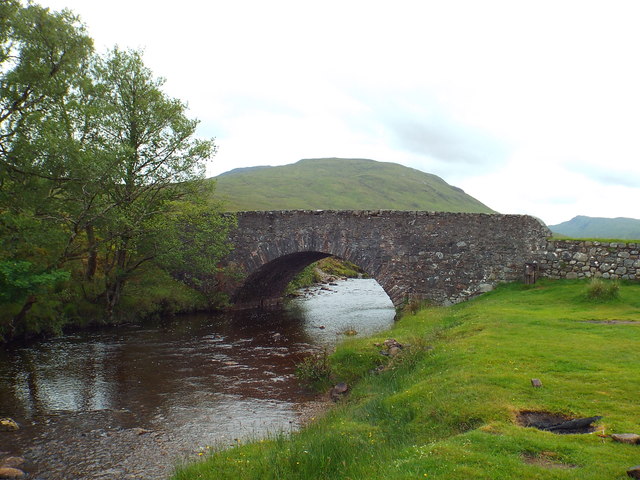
438	256
585	259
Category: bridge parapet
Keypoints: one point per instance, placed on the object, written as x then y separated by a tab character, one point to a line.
437	256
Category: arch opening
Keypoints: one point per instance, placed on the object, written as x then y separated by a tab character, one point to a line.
266	286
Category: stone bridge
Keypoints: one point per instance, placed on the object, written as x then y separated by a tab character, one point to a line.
437	256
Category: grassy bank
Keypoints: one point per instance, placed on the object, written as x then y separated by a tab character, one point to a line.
447	406
319	271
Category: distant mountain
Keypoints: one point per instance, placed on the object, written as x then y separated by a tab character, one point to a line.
337	184
595	227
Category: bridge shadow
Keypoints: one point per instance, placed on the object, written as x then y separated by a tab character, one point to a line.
266	286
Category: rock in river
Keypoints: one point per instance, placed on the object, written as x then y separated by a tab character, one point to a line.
8	425
8	472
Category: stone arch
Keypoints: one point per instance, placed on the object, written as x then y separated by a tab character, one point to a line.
265	285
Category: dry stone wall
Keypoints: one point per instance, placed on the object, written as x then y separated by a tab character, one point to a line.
573	259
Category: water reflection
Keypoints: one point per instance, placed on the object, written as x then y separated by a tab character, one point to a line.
140	396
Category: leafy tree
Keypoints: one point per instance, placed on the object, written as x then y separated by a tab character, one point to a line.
148	143
20	283
99	169
40	55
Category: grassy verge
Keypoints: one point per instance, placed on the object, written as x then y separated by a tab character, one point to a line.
319	271
625	241
446	407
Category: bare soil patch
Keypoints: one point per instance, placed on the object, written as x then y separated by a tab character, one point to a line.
546	460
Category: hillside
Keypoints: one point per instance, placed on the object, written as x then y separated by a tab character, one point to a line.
337	184
596	227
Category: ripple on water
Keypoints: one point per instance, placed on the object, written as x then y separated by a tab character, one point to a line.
128	402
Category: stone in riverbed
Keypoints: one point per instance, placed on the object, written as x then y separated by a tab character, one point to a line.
12	462
8	472
8	425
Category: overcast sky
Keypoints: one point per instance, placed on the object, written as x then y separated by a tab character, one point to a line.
530	106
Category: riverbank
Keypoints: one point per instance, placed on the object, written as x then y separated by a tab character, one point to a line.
454	401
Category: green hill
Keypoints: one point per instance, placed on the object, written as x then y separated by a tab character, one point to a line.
341	184
596	227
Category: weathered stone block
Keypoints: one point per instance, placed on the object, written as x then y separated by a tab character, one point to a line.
581	257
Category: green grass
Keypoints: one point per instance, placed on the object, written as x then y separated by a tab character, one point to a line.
315	273
341	184
603	241
445	408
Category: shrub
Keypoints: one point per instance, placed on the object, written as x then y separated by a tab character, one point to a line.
602	291
315	369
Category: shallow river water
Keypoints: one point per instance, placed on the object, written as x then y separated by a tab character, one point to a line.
134	401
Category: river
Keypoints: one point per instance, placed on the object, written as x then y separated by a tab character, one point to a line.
131	402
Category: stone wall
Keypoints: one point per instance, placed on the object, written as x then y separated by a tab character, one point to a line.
442	257
585	259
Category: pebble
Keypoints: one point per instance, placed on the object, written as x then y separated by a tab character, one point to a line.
12	462
8	472
339	391
8	425
393	351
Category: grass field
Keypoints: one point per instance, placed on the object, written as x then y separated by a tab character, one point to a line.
446	407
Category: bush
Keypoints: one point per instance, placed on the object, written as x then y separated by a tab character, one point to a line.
315	369
602	291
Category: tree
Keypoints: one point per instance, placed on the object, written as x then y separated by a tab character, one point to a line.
148	143
100	170
40	55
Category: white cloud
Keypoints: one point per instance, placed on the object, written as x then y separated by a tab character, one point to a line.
532	107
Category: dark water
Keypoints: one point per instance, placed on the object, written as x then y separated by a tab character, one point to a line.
132	402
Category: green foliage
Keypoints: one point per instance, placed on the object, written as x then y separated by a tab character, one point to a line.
413	306
339	183
307	277
155	293
600	290
318	271
100	176
340	268
445	408
18	280
315	369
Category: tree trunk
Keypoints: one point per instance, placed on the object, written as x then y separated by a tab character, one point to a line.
92	260
112	298
21	315
116	283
